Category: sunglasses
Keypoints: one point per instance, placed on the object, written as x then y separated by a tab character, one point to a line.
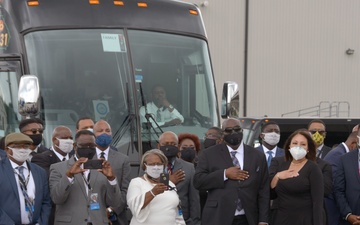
322	132
35	130
236	129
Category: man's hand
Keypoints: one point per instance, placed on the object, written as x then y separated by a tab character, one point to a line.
75	169
354	219
235	173
177	177
107	170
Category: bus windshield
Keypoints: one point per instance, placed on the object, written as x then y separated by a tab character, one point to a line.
90	72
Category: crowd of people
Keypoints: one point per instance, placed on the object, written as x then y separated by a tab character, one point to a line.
82	179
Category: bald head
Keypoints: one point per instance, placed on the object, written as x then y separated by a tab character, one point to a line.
102	127
62	132
231	122
168	138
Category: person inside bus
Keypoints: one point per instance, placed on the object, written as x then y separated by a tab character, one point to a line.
160	110
317	129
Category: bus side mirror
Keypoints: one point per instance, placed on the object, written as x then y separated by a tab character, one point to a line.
230	100
29	96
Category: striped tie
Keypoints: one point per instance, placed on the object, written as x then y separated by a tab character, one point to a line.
270	153
23	183
158	116
236	163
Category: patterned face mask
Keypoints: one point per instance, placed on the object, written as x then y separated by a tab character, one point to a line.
318	138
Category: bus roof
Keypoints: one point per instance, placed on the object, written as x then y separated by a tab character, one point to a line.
68	14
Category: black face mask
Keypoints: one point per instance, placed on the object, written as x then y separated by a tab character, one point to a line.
36	138
233	138
188	154
170	151
209	142
86	152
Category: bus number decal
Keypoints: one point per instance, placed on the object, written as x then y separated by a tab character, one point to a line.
4	34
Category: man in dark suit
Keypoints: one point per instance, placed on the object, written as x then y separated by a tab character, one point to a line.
34	128
317	130
347	187
23	185
333	157
61	149
120	165
181	174
270	137
236	177
82	195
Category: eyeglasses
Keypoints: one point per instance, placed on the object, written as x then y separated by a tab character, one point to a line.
236	129
322	132
85	146
35	130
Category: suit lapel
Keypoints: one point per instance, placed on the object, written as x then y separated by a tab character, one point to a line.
10	174
355	163
38	191
177	165
224	152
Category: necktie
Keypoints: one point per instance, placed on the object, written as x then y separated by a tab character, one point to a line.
270	153
102	155
235	162
158	116
169	167
23	184
64	159
318	155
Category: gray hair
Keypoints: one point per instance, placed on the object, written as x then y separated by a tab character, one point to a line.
157	152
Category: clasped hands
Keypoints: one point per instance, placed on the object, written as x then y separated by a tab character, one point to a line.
235	173
76	168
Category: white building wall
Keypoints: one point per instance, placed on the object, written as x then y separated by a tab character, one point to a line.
296	52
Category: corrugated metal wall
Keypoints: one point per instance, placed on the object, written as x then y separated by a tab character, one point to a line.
296	52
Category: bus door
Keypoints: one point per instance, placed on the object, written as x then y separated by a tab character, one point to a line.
10	71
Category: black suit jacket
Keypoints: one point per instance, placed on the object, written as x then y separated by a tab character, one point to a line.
347	184
324	151
222	195
47	158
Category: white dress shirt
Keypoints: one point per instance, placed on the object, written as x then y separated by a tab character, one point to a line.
59	155
265	149
166	115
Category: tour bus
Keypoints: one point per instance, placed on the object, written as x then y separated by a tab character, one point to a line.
337	129
101	58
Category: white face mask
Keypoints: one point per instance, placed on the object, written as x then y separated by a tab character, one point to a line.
154	171
91	130
272	138
65	145
298	152
20	154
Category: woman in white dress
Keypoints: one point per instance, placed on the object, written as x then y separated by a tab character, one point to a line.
152	202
